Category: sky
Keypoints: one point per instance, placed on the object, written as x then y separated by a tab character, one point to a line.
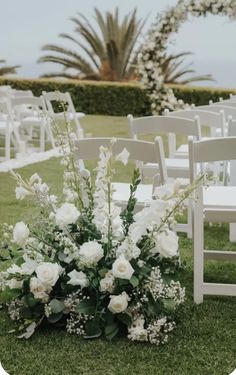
26	25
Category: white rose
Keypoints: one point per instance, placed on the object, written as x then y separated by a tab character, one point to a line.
20	233
118	303
78	278
48	273
122	268
38	289
66	214
91	252
166	244
21	192
107	283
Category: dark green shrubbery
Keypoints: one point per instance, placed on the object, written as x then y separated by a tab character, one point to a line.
117	99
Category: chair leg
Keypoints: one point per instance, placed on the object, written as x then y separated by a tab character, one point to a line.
198	257
7	145
42	138
190	220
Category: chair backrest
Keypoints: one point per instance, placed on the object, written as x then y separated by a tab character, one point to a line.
210	150
227	102
207	118
57	96
24	106
228	111
169	125
147	152
164	125
19	93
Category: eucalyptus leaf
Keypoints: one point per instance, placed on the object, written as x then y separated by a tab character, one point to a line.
92	329
54	318
111	330
57	306
134	281
86	306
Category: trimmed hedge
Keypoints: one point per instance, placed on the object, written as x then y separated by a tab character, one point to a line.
109	98
103	98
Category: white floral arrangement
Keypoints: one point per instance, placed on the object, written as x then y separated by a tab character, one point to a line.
152	56
87	265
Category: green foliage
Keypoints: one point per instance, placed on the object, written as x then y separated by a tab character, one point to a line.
116	99
6	69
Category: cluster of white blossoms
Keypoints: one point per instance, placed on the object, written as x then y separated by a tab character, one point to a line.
96	269
152	56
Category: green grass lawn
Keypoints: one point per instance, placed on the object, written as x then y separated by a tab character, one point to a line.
204	342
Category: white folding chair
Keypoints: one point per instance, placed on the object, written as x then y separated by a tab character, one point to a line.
213	120
32	113
89	148
70	112
225	102
165	125
213	204
228	111
9	129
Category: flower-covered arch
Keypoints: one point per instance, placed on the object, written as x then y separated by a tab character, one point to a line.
153	53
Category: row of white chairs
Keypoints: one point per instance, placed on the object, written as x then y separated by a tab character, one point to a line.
21	114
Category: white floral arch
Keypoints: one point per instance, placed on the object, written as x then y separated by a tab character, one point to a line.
151	57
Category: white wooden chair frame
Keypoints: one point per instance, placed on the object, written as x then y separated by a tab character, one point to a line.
36	117
214	204
71	113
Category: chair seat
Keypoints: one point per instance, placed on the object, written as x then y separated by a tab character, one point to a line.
122	193
219	197
3	126
175	168
32	121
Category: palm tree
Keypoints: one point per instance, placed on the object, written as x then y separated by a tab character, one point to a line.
7	69
109	51
175	73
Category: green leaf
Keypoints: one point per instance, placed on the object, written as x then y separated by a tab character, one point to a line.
92	329
102	272
54	318
134	281
111	330
86	306
57	306
30	301
9	294
125	319
169	305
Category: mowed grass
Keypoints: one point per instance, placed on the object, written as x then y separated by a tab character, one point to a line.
204	342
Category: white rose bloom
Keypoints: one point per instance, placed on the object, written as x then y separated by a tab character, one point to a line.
14	284
38	289
91	252
20	233
21	192
122	268
166	244
123	157
78	278
118	303
107	283
66	214
48	273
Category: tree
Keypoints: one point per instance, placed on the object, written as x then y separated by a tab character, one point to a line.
4	70
109	51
